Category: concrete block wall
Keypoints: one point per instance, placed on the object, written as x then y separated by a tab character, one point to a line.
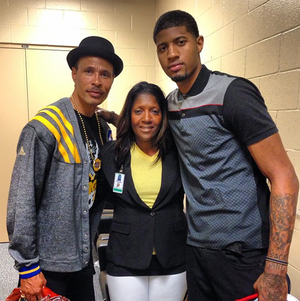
259	40
126	23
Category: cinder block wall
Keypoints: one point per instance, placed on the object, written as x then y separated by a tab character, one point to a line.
260	40
126	23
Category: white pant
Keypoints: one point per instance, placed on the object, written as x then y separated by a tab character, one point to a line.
147	288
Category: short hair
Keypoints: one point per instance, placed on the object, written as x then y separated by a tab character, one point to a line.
125	134
176	18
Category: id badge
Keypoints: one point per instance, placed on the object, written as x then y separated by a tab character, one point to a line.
118	183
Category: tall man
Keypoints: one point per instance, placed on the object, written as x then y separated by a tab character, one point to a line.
239	231
53	207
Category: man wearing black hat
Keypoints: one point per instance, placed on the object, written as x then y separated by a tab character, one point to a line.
53	208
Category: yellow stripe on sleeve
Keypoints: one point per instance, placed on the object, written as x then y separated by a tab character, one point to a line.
56	134
72	147
30	271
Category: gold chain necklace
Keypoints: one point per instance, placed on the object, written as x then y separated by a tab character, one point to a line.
97	161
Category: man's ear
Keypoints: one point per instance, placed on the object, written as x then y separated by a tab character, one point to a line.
200	43
74	73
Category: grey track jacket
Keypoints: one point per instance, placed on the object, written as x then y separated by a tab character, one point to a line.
48	218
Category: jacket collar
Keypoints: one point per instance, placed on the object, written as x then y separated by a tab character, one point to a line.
169	172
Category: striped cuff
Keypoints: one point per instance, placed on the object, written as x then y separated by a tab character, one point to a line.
31	271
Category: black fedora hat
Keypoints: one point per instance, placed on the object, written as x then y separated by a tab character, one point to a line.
96	46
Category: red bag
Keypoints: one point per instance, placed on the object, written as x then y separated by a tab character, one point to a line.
252	297
15	295
255	296
47	295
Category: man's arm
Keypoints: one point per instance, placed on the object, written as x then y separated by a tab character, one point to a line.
109	116
270	156
29	170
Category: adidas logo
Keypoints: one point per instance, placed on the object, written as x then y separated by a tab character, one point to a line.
22	152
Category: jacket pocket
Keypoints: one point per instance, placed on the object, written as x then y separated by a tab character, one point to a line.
121	228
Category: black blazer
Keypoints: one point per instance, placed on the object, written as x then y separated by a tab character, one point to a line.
136	228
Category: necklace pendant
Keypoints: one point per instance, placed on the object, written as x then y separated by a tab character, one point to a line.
96	164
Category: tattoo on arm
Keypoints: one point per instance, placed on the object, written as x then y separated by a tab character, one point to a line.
282	217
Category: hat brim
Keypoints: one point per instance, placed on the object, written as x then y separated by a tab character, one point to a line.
75	54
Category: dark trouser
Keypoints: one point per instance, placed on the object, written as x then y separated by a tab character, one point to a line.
222	275
76	286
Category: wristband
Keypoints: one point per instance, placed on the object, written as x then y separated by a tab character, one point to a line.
31	271
277	261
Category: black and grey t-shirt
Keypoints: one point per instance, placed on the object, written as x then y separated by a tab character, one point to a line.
227	195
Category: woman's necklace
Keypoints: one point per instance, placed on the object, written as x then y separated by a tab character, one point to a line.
97	161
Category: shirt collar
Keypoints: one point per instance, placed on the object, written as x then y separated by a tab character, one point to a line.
200	82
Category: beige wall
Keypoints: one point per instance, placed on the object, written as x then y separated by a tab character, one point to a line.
258	39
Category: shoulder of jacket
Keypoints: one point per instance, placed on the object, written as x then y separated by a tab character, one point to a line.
49	119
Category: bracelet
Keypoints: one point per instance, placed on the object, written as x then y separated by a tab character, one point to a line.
112	117
276	260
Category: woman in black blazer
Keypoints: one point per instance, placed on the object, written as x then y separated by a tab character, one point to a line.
140	175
